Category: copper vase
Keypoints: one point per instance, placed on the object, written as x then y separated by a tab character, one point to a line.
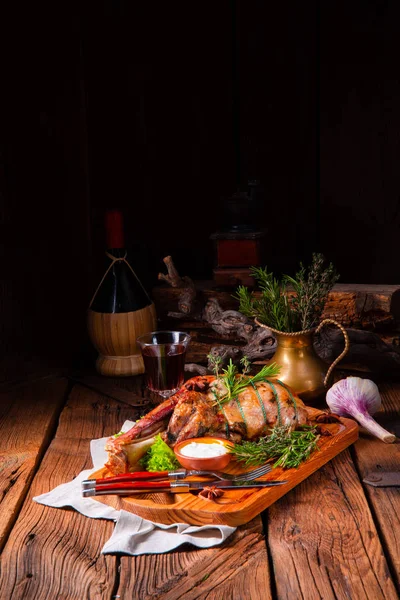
301	367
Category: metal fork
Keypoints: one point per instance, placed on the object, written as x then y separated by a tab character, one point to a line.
248	476
177	475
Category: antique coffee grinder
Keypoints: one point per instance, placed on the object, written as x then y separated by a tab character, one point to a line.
239	243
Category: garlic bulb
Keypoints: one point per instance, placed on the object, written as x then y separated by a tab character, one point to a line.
358	398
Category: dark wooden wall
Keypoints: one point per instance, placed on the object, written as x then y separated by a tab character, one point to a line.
164	109
45	210
359	120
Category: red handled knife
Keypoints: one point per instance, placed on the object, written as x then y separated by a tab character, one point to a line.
176	487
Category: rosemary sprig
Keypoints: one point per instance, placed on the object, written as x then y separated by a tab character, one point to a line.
215	363
311	287
229	379
236	383
288	446
275	307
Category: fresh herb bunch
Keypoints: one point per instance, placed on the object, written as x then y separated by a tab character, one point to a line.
283	311
311	287
236	382
289	447
272	307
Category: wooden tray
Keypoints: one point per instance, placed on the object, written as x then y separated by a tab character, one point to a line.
234	507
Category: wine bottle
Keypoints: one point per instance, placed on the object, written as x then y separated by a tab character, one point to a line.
120	310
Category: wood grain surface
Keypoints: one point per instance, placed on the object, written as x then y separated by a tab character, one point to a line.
371	455
330	537
353	305
33	411
328	541
51	549
237	570
55	554
236	507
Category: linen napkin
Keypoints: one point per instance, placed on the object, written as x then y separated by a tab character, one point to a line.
132	535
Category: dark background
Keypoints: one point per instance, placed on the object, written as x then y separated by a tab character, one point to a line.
164	109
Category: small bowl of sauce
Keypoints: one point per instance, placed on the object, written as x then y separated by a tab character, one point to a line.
203	453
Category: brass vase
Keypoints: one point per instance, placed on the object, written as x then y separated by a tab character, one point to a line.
301	367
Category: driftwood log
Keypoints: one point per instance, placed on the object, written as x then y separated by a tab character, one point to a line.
371	315
371	307
367	351
259	343
188	301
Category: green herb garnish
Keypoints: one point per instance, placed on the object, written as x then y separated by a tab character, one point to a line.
236	383
284	309
159	457
289	447
215	363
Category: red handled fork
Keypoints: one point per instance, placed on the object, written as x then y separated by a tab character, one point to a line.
179	474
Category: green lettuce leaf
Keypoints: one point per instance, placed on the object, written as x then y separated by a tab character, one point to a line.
159	457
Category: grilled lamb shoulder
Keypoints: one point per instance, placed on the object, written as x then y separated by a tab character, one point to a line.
194	412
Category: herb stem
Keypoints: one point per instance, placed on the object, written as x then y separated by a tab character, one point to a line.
288	447
235	383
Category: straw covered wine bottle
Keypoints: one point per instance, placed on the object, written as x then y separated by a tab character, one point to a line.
120	310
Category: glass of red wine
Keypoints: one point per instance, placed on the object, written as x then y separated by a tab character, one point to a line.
164	354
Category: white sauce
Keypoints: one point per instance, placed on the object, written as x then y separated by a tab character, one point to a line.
199	450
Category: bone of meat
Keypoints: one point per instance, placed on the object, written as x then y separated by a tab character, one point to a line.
194	411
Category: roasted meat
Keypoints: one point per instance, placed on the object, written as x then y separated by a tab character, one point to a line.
195	411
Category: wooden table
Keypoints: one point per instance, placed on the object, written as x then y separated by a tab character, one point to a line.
331	537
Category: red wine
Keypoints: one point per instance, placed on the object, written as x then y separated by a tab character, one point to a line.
164	366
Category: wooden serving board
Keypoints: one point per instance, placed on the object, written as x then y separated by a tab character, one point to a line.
234	507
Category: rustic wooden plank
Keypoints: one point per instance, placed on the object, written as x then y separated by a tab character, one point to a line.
129	390
89	415
19	370
239	506
166	575
324	542
28	416
370	312
372	455
354	305
42	533
236	570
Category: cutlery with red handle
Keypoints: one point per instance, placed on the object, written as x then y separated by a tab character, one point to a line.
177	474
139	487
138	476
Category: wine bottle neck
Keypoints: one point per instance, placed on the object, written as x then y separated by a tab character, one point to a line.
114	224
117	252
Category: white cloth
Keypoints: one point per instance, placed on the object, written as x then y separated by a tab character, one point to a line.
132	535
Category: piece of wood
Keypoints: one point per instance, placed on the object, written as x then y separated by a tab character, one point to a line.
371	308
172	278
135	395
237	569
188	301
237	506
233	277
41	534
21	368
364	306
366	350
130	390
374	307
33	409
372	455
324	542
